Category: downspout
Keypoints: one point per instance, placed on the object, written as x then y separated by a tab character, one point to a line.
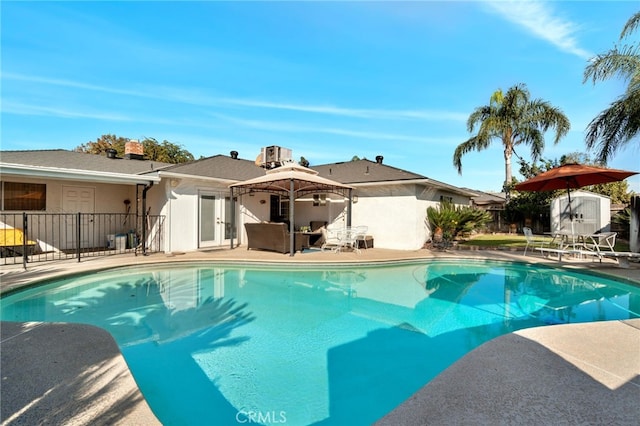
145	217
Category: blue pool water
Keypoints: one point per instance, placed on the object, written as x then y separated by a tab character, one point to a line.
228	344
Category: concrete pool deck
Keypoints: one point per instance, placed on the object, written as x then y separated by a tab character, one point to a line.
566	374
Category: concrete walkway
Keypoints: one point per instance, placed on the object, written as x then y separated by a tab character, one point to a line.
574	374
568	374
66	374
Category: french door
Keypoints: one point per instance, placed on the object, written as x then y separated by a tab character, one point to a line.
214	221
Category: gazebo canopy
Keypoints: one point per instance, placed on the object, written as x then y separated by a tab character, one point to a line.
305	181
294	181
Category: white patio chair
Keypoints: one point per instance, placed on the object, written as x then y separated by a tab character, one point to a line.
332	239
531	240
348	239
361	235
604	241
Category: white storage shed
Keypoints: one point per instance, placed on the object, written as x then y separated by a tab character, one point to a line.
590	213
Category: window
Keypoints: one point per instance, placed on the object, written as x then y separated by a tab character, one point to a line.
446	199
319	199
24	196
279	209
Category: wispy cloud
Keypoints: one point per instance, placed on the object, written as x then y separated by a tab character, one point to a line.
26	109
195	97
351	112
540	19
296	128
70	83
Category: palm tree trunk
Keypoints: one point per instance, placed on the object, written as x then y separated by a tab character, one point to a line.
507	168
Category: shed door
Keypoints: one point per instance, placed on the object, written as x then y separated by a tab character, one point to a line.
586	214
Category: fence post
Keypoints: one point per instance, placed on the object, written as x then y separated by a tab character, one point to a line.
634	225
25	238
78	235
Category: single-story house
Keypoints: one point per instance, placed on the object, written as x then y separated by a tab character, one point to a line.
52	185
494	203
194	199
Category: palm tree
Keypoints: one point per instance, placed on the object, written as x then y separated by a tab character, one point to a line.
515	120
617	125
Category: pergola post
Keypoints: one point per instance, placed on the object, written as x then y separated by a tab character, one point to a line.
233	217
349	208
292	247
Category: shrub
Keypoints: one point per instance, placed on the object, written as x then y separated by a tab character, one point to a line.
454	221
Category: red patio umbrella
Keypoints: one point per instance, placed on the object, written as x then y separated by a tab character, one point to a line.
572	176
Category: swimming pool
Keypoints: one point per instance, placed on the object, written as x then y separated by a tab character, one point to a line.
298	345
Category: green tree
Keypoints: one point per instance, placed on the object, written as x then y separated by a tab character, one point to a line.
530	204
102	144
514	119
166	152
617	125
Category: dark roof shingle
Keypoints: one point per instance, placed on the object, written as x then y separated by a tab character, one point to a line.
220	167
361	171
72	160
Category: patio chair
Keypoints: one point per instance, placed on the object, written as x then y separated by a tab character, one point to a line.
349	239
331	239
531	240
360	235
604	241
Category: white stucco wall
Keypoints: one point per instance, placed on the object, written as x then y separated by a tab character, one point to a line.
109	198
181	211
396	214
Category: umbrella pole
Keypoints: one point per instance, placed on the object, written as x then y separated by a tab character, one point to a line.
570	212
233	218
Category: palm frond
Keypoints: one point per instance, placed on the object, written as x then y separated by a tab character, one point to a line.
623	62
631	25
614	127
473	144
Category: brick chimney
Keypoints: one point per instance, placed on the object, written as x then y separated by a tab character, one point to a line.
133	150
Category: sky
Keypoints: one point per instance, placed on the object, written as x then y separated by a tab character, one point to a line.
328	80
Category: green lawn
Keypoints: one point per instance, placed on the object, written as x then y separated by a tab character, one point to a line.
515	240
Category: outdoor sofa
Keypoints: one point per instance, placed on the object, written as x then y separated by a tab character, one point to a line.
272	236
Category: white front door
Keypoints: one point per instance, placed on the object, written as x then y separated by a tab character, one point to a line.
78	199
214	219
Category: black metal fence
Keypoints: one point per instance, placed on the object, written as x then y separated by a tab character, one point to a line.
41	237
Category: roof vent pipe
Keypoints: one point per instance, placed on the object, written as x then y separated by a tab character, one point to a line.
379	159
111	153
234	155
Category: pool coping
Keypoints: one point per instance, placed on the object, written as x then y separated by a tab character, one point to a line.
488	400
